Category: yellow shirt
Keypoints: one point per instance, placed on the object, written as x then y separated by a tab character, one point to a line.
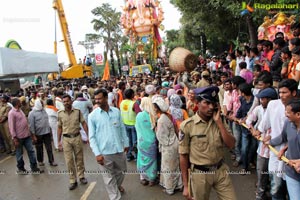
232	65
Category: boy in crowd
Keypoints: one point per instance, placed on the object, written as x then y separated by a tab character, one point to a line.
248	143
263	154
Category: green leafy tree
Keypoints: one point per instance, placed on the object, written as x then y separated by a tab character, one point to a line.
106	23
221	22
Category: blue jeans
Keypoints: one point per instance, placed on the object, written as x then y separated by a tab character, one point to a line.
236	129
278	187
293	187
131	134
27	143
248	149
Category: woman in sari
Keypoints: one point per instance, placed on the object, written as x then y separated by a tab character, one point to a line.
170	177
178	114
146	143
191	104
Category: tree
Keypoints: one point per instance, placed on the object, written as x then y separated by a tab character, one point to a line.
173	40
107	24
220	20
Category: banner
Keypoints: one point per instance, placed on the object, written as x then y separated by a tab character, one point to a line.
99	59
106	74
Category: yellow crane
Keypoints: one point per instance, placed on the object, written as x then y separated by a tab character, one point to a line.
75	70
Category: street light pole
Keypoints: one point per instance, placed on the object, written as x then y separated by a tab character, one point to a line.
89	45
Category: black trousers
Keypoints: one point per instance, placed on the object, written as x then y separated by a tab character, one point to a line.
44	139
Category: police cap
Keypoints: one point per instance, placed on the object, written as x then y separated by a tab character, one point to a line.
209	93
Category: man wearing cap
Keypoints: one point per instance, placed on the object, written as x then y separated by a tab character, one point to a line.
25	105
196	78
86	95
204	80
201	147
263	154
273	119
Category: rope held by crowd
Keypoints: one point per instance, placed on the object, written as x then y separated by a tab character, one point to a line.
283	158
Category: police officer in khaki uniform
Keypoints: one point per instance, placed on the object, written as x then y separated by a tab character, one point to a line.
201	147
69	121
4	129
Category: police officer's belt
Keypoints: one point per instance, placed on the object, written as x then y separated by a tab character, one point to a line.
207	168
71	135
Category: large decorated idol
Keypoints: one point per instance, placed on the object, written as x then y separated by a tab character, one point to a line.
141	19
279	23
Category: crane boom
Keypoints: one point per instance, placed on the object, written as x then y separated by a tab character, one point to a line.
57	5
75	70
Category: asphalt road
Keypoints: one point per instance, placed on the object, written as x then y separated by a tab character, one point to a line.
53	183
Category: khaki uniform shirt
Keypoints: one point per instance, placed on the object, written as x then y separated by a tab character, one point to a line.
4	110
201	140
26	109
202	83
70	123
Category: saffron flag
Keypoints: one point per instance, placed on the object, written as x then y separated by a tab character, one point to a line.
106	74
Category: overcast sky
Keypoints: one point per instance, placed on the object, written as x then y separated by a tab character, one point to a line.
31	23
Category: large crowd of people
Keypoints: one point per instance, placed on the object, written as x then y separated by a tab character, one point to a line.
174	125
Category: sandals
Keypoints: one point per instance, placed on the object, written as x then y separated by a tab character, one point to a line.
144	182
235	164
165	191
121	189
152	183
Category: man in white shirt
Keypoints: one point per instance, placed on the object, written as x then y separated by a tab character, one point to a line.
274	118
239	59
58	100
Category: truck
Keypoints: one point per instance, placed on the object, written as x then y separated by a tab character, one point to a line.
18	63
74	69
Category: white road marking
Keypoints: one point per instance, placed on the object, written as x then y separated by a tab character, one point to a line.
5	159
88	191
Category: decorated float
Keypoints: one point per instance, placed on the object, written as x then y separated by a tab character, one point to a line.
278	23
141	21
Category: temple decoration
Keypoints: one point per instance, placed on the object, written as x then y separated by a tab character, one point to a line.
279	23
141	19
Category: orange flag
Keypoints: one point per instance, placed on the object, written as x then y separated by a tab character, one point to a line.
106	75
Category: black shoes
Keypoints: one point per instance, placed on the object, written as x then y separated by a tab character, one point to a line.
37	171
83	181
53	164
73	186
11	153
22	171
